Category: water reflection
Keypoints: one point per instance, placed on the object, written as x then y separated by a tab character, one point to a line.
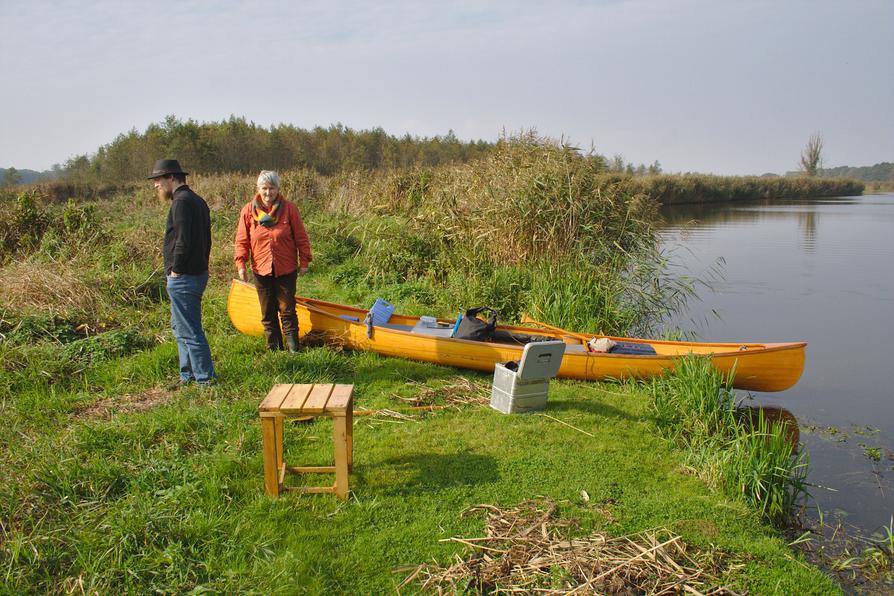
807	225
773	415
691	218
748	211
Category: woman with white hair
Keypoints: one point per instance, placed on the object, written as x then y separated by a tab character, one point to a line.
271	235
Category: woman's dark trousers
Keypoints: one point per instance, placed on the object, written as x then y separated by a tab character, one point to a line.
277	298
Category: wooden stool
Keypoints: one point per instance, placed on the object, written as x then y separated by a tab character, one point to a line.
294	401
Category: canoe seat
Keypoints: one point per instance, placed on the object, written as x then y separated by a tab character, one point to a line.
432	331
395	326
575	348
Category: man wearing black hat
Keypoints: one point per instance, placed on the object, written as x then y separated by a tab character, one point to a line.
186	250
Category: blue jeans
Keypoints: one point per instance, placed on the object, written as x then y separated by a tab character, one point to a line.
186	321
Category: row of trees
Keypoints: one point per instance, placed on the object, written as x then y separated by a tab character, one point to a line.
237	145
811	164
880	172
11	177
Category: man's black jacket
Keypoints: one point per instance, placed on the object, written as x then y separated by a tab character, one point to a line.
188	234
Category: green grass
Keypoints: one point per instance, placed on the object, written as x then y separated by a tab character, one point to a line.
172	500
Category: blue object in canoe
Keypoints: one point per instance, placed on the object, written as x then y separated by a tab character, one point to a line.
381	311
459	317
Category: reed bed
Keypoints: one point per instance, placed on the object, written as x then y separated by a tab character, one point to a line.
749	456
229	191
700	188
763	466
527	549
531	228
531	198
57	290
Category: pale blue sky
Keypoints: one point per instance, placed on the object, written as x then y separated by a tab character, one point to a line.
729	87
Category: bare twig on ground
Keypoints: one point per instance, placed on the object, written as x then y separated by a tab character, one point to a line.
568	425
459	391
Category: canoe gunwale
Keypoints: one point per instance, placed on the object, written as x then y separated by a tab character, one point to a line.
319	307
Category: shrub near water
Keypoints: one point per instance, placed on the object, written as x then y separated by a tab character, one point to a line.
762	466
755	461
627	294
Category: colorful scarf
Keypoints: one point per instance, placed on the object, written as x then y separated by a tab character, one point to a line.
266	219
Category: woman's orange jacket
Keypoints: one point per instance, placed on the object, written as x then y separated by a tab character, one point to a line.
279	249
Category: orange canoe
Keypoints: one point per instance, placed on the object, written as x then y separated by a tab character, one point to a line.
759	367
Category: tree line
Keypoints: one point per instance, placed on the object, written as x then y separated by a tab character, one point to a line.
880	172
12	176
237	145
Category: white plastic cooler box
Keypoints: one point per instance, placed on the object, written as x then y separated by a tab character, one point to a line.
525	389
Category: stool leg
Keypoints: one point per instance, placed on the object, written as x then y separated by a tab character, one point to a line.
350	433
278	426
340	439
268	441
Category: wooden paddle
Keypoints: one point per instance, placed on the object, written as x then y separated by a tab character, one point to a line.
581	336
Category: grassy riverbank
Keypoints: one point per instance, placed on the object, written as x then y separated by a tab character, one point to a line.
118	485
114	484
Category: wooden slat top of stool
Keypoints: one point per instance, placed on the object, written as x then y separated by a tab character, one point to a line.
321	399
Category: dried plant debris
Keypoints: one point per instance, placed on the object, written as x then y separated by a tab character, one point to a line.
316	339
380	417
51	289
386	413
526	550
136	402
458	391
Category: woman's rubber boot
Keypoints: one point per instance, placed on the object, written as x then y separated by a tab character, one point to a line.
274	339
292	341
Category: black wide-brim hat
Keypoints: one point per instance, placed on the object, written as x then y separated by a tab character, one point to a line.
166	167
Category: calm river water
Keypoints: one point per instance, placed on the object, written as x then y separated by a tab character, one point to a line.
821	271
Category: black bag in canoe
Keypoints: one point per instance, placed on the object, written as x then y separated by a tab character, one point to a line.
471	327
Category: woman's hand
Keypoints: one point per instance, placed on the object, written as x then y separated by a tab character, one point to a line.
302	271
241	273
